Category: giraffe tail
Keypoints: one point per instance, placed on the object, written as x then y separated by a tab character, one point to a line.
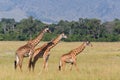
60	65
16	62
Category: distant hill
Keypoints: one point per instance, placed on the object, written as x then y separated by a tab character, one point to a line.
54	10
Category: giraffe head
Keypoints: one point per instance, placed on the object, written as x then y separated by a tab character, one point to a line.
88	43
63	35
47	30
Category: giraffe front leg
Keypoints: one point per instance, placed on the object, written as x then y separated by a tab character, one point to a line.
74	63
71	66
76	66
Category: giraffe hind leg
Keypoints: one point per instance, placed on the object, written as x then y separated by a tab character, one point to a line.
46	62
63	66
30	59
46	57
20	63
30	63
34	62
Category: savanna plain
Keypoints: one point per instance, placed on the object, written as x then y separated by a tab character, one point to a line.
100	62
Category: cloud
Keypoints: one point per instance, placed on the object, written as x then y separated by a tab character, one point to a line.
15	13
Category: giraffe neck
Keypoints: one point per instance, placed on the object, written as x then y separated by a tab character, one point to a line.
35	41
52	44
79	49
56	40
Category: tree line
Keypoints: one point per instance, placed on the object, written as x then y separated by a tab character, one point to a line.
83	29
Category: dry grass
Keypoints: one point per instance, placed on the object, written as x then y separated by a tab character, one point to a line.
100	62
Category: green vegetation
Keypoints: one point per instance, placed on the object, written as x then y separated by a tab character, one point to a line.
95	63
91	29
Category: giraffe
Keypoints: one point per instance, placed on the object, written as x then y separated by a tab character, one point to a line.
28	49
70	57
44	51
